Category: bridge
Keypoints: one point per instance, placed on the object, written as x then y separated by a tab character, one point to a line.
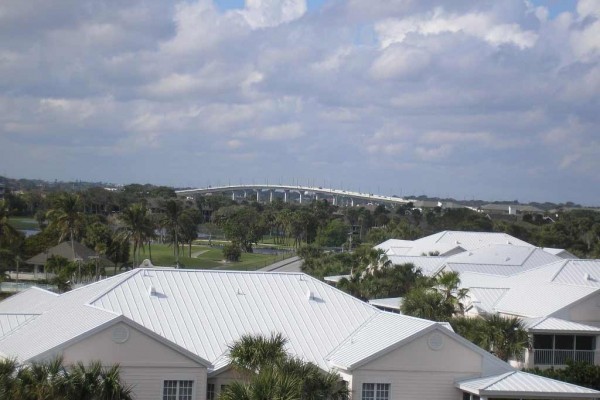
298	194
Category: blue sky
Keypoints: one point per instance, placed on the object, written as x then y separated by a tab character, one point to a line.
480	99
225	5
556	7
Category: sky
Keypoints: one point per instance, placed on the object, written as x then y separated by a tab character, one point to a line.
477	99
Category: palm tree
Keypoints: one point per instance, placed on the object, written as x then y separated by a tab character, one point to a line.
428	303
448	284
276	375
269	384
137	227
507	336
52	380
252	352
8	234
172	221
67	217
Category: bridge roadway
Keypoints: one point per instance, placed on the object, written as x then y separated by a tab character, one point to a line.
338	197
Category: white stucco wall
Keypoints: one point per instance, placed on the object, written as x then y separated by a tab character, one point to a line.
416	371
145	362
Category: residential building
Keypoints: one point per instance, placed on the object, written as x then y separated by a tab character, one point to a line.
170	331
556	294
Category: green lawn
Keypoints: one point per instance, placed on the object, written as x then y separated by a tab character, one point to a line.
24	223
210	258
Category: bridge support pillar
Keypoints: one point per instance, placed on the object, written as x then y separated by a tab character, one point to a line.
317	196
300	200
233	196
270	196
285	195
258	195
245	194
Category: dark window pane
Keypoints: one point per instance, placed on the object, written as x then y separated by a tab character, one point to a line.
585	343
564	342
542	341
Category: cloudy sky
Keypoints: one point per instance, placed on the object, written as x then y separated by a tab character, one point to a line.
469	99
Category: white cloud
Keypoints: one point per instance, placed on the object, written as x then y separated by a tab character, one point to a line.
480	25
358	88
270	13
279	132
587	8
400	62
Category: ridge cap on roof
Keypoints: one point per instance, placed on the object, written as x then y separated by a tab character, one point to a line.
537	321
397	344
18	313
564	263
500	377
328	356
220	271
127	275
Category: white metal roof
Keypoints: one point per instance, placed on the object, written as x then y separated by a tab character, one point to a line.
579	272
391	302
562	253
30	301
10	322
237	303
500	259
540	291
376	335
472	240
485	299
396	247
336	278
428	264
518	383
550	324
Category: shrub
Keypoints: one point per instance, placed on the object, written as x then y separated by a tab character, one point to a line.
232	252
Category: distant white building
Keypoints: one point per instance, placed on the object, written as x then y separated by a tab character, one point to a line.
556	294
172	328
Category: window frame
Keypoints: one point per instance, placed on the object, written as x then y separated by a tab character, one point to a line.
179	388
376	391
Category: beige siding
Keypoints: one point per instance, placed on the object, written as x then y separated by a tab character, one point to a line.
145	361
225	378
411	385
586	311
148	382
416	371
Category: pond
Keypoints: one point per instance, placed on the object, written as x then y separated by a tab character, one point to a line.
29	232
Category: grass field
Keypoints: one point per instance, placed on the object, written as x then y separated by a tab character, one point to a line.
23	223
204	257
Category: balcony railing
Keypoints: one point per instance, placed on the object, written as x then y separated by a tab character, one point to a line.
560	357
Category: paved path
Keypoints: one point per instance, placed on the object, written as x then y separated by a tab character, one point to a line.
292	264
197	253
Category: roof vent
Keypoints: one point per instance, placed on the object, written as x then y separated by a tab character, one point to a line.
470	253
587	277
151	291
508	242
239	292
310	295
507	259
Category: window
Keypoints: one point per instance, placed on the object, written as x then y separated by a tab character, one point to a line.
375	391
210	391
177	390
